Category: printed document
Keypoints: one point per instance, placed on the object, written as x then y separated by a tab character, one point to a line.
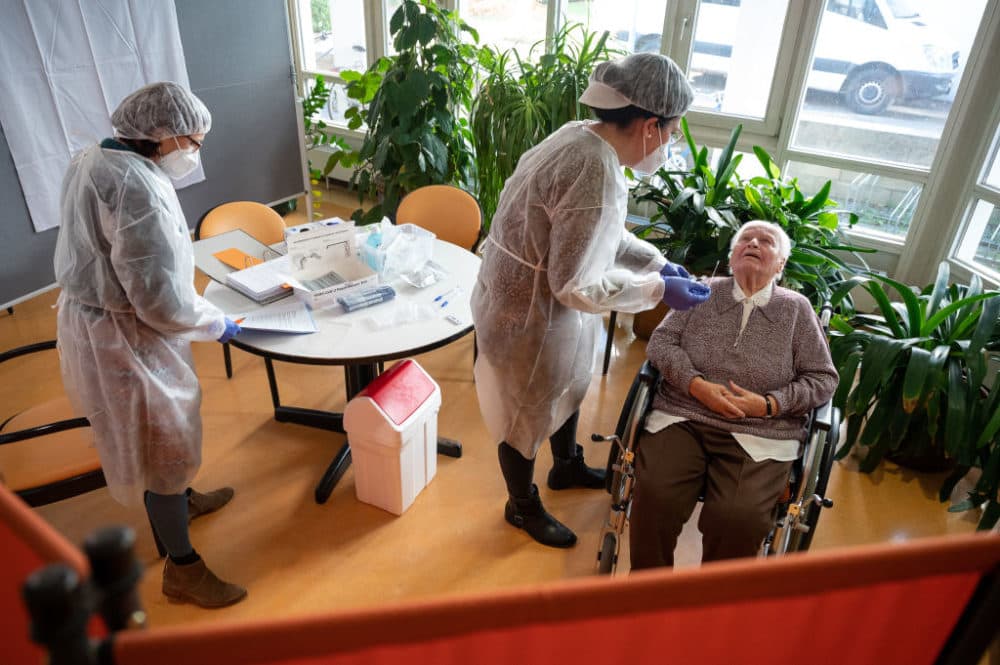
280	318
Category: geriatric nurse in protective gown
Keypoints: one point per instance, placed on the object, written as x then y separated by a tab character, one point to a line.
128	312
558	255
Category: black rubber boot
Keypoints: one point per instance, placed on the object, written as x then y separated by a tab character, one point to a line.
568	467
524	507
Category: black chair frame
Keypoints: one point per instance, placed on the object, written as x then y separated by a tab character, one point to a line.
67	487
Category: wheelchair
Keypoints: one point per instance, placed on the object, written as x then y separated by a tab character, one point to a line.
798	509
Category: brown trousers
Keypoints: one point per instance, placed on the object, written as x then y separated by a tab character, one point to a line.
689	459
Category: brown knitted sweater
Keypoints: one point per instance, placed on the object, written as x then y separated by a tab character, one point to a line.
782	351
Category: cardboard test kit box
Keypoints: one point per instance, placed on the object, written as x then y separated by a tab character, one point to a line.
325	262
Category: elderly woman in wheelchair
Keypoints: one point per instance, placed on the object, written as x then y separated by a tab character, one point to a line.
740	376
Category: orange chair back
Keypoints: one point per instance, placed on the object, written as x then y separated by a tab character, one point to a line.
256	219
450	213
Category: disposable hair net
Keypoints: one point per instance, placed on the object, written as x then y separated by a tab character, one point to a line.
160	110
648	80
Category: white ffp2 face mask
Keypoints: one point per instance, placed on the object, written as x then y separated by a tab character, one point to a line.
652	162
180	162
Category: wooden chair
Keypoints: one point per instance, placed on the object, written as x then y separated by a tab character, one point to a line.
452	214
256	219
45	454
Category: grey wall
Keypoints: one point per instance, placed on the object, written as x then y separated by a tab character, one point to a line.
239	62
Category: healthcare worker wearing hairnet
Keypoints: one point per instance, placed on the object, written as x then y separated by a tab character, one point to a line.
128	313
558	255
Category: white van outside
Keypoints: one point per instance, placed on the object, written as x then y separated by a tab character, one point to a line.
872	52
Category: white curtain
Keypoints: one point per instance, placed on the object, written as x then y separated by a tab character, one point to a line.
64	67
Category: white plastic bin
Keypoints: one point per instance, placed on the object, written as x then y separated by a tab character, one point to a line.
392	428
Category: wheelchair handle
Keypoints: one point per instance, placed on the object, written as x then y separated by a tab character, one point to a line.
822	501
599	437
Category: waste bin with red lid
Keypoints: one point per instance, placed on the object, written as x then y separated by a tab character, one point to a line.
392	427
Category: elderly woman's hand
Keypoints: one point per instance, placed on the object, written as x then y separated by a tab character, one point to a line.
716	397
753	404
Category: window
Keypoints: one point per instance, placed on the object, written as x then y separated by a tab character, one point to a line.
508	24
733	55
882	79
332	35
634	26
981	241
883	204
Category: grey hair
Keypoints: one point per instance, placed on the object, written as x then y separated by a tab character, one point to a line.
784	242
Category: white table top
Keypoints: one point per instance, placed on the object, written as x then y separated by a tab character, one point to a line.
350	338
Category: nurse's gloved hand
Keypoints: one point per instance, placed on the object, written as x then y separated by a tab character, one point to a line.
673	270
232	330
681	293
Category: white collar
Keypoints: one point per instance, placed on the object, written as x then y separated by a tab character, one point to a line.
758	299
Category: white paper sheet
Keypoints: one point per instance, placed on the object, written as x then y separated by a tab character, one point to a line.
66	66
279	318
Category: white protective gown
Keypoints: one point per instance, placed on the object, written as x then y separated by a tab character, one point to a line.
558	254
127	314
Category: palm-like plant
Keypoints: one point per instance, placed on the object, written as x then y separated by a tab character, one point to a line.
696	214
921	387
813	225
520	102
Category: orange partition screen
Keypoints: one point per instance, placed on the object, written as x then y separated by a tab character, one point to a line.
883	604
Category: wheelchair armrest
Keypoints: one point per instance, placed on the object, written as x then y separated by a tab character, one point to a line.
649	374
822	416
28	348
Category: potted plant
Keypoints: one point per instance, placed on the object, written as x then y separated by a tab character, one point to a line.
921	393
415	106
520	102
316	135
699	210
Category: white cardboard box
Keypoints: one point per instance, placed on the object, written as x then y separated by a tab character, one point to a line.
325	263
394	457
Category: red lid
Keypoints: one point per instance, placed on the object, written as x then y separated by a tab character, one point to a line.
400	390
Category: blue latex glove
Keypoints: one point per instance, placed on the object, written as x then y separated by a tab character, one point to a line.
674	270
232	330
681	293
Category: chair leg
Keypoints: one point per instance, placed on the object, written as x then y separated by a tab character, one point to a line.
229	360
612	320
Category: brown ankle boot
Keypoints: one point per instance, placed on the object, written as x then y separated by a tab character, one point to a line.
195	583
200	504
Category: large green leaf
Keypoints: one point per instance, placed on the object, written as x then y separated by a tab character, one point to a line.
912	301
986	327
847	371
915	379
939	317
955	419
885	305
940	288
877	365
816	202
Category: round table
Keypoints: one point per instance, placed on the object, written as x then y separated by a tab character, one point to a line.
351	340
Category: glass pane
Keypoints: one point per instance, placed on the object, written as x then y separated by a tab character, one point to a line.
389	9
885	205
883	77
330	45
337	104
982	239
507	24
634	25
733	55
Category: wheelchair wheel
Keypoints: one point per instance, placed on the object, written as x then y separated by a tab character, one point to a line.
607	557
629	427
